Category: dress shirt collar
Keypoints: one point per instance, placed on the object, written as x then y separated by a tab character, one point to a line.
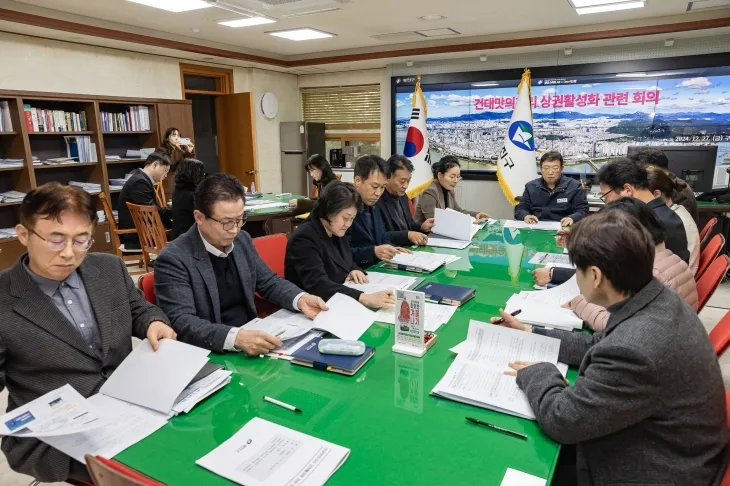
48	286
213	250
152	181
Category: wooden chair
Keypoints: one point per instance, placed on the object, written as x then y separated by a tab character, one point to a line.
108	472
151	231
133	256
160	194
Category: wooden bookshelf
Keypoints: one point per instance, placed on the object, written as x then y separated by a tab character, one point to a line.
22	143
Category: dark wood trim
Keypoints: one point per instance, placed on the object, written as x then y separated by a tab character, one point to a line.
223	77
43	95
77	28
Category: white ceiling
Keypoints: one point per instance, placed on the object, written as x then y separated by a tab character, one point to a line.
356	22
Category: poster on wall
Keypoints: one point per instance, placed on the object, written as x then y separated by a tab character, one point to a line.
589	119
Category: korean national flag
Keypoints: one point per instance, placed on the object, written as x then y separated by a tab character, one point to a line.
416	147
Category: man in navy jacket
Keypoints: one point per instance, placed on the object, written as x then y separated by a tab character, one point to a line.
369	240
552	197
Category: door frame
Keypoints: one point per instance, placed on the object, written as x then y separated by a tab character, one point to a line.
223	77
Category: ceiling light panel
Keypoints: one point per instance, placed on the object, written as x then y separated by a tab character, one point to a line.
593	3
246	22
612	7
174	5
301	34
437	32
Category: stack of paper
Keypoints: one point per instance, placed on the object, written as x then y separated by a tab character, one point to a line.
419	261
263	453
453	229
555	259
436	315
541	225
476	377
379	282
139	154
113	158
6	233
11	196
543	307
101	215
253	205
89	187
11	163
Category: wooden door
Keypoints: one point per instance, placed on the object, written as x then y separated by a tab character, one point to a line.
178	115
236	138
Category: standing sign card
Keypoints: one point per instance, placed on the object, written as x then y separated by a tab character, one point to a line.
409	322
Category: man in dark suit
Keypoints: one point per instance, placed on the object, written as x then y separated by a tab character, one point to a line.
206	279
395	210
368	238
66	317
140	189
648	406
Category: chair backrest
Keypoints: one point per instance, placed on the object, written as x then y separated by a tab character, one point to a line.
707	229
160	194
412	207
147	285
106	204
710	280
272	250
720	335
151	231
108	472
708	255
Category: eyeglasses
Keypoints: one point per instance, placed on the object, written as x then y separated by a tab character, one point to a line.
59	244
229	225
550	169
603	197
454	178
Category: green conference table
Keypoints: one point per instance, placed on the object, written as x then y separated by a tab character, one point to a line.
396	431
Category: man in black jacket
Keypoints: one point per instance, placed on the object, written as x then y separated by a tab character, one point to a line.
139	189
553	196
402	230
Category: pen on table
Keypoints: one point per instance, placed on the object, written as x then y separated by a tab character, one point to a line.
499	429
513	314
282	404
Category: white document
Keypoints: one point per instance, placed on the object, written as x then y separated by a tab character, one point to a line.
289	347
466	346
283	324
540	314
59	412
436	315
421	259
383	281
555	259
513	477
541	225
200	390
437	242
129	424
477	375
154	379
450	224
346	318
266	454
264	205
556	296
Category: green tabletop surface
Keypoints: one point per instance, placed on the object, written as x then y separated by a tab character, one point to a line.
397	432
272	198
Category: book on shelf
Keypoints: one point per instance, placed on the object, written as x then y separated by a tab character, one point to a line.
40	120
11	163
132	119
81	148
6	124
139	154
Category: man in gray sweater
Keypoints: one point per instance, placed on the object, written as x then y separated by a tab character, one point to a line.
648	406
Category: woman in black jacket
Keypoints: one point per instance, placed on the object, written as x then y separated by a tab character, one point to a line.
321	172
318	257
187	177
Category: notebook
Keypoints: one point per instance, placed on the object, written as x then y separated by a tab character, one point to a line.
447	294
309	355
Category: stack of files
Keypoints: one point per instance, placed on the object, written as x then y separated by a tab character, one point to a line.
346	319
40	120
262	204
541	225
60	160
80	148
147	389
263	453
6	233
541	308
476	377
309	356
11	163
453	229
436	316
379	282
101	215
6	124
89	187
132	119
419	261
11	196
113	158
561	260
139	154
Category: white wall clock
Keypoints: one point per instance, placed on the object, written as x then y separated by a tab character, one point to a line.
269	105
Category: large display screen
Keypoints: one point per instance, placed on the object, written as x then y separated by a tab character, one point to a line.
589	119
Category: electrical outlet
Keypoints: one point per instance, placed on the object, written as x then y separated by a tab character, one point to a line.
108	237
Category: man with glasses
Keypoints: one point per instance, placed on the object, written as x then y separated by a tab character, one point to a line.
206	279
552	197
66	317
140	189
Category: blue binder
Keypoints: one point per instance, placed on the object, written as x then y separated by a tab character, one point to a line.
309	355
447	294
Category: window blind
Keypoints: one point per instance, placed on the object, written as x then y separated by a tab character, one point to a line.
343	108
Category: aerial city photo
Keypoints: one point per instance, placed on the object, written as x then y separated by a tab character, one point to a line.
589	122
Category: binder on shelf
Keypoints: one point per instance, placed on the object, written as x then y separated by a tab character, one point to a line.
447	294
6	124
